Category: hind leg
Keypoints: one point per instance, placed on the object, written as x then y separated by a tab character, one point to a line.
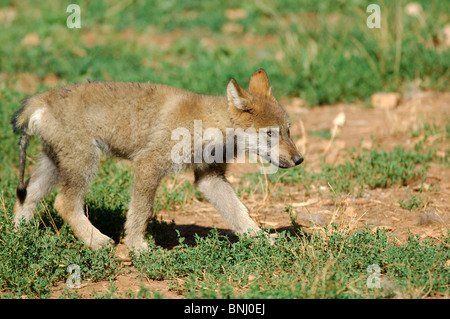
69	204
42	181
76	173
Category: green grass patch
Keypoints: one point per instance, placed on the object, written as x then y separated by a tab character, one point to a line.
413	201
363	168
322	134
334	265
324	52
35	258
377	169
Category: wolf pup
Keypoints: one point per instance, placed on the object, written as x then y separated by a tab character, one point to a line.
134	121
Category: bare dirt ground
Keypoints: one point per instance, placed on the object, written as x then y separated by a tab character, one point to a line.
360	126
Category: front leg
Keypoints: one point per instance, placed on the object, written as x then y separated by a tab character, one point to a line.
216	188
146	181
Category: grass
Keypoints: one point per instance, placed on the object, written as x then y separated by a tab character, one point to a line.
321	51
331	265
363	169
413	201
35	258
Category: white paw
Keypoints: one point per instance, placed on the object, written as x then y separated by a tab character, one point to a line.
97	240
22	215
138	245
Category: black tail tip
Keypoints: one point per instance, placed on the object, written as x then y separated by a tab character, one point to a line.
22	192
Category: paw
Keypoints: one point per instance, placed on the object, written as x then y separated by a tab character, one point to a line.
97	240
138	245
21	215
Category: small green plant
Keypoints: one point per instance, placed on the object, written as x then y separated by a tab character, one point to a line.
322	134
413	201
293	216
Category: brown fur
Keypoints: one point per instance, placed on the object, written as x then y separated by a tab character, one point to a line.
134	121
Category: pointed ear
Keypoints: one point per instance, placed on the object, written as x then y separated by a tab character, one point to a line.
237	96
259	84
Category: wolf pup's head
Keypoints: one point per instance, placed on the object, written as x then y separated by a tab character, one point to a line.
258	109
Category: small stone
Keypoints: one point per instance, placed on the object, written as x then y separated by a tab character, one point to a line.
236	14
231	27
350	212
413	9
446	32
31	39
385	100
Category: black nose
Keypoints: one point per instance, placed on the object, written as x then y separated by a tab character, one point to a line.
297	160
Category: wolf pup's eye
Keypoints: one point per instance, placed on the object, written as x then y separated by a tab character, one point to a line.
269	133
